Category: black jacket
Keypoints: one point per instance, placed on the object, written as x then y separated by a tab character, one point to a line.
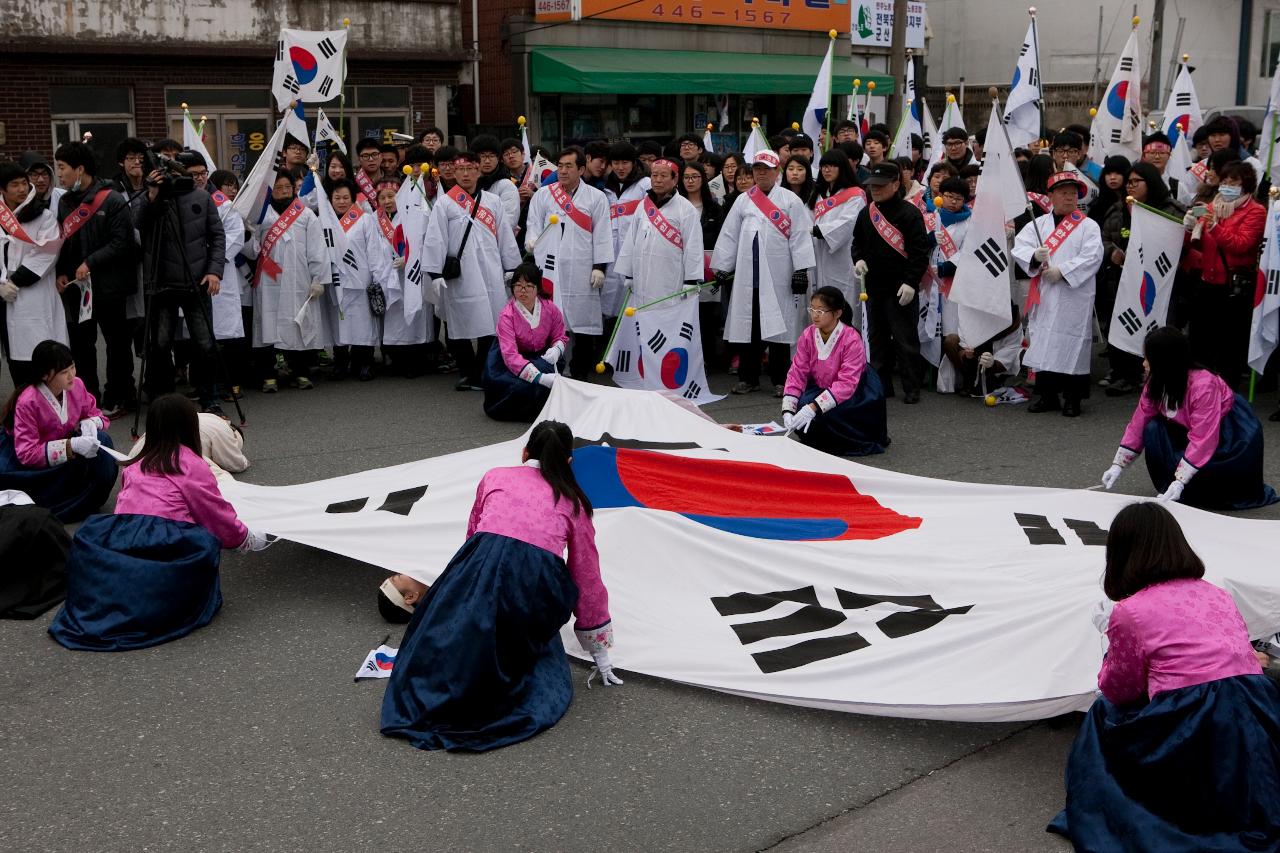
886	269
202	237
106	242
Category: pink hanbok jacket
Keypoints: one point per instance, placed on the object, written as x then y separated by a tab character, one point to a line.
190	496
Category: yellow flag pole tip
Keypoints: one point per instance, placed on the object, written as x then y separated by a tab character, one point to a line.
293	105
407	170
425	168
521	120
1129	199
184	105
710	126
937	201
553	219
204	118
993	93
1275	192
600	367
951	99
857	81
795	125
831	33
990	400
1031	10
631	311
1136	20
862	297
1093	111
346	22
1186	57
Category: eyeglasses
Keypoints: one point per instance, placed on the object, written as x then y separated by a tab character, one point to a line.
133	158
371	155
1133	182
524	285
818	312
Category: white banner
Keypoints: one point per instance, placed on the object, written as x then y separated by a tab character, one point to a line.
193	140
660	349
1146	281
815	112
326	132
872	24
1117	128
757	566
1022	108
310	67
1264	328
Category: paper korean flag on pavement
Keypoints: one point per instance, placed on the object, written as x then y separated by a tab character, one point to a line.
660	349
378	663
310	67
764	568
1146	281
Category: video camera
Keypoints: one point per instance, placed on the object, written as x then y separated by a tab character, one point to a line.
174	177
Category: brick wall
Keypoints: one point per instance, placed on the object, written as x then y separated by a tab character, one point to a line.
496	97
25	108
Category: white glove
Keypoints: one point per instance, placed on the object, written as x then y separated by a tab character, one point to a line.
1101	614
905	294
986	360
1189	221
254	541
552	355
84	446
860	269
1040	255
397	262
803	418
1173	493
8	291
317	290
546	380
439	283
597	644
788	418
313	161
1051	274
507	276
89	429
597	279
1110	476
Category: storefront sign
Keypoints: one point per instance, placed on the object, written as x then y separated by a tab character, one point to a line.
873	24
813	15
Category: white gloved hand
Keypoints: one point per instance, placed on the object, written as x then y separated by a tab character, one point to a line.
1040	255
803	418
507	276
84	446
255	541
439	283
1101	614
603	668
788	418
316	291
860	269
8	291
597	279
1189	221
986	360
1110	476
1173	493
597	643
397	262
546	380
1051	274
552	355
905	294
313	161
89	429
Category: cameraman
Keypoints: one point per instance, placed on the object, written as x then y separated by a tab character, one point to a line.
184	253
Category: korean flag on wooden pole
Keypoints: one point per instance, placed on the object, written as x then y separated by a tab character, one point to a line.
660	349
815	113
1117	128
1264	331
255	192
309	66
1270	133
326	132
1146	281
1022	109
193	139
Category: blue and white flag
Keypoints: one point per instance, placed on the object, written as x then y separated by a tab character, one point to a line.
378	663
326	132
255	193
1022	109
1146	281
660	349
310	67
1117	128
815	113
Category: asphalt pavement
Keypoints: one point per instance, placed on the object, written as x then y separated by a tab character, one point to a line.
250	735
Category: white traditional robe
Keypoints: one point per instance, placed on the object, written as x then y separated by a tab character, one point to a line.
410	319
622	224
761	257
833	254
36	315
301	254
653	265
365	260
228	322
471	303
509	197
567	252
1061	326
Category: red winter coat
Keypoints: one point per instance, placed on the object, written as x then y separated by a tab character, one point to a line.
1237	238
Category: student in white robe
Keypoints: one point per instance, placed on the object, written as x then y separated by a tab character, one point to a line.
232	328
1060	301
293	274
766	243
469	253
837	202
365	271
495	178
625	187
663	249
410	322
573	254
30	308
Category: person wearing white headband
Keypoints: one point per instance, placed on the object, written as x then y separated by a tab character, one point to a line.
397	597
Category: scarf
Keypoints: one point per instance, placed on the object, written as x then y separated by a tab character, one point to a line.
1222	209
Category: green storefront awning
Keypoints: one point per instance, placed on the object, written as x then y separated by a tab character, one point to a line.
612	71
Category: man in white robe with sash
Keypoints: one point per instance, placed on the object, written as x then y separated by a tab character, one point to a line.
410	322
470	251
30	308
573	254
1062	252
290	309
766	244
663	250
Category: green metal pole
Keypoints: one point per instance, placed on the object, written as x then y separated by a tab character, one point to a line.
617	324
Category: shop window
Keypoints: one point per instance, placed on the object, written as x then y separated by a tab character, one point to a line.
1270	43
106	112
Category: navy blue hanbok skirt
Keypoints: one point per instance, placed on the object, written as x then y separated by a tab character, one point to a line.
481	664
507	397
1232	479
857	427
135	581
1195	770
33	559
72	490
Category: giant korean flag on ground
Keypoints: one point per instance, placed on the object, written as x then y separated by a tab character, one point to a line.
757	566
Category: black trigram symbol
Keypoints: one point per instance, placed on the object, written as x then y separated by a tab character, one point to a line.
622	361
1126	63
1025	48
415	273
326	47
658	341
920	613
350	259
1151	327
693	391
1182	99
291	84
1162	264
328	237
400	502
280	51
1041	532
326	85
1115	134
1129	319
992	256
686	331
549	264
1273	283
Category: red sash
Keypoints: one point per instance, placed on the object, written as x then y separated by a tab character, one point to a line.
483	215
77	218
623	208
351	217
930	219
219	197
826	205
1041	201
371	195
948	248
1056	239
669	232
571	210
771	212
281	225
887	232
11	226
1198	171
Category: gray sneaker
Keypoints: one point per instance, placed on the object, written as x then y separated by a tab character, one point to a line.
743	388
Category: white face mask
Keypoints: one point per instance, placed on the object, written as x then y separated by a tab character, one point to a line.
1229	193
